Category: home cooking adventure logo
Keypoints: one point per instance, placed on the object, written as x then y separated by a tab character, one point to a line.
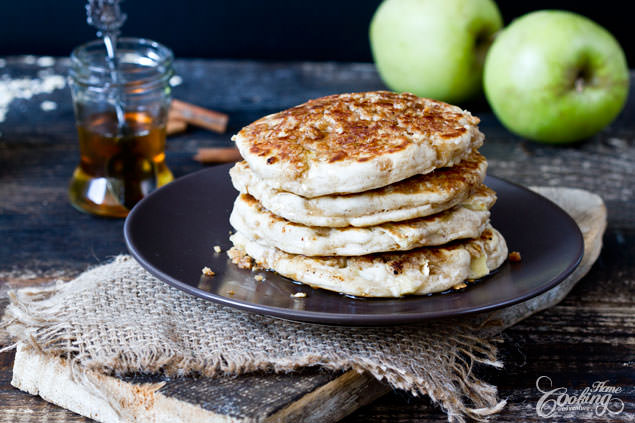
600	399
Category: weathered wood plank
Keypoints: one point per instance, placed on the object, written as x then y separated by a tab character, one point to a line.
578	342
19	407
311	395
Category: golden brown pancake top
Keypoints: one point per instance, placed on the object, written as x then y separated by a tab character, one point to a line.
354	127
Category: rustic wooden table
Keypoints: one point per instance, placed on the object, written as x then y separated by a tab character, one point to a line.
588	337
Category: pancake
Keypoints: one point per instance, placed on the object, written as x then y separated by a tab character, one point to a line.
418	196
350	143
420	271
467	220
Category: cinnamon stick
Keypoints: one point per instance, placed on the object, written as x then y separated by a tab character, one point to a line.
217	155
195	115
175	126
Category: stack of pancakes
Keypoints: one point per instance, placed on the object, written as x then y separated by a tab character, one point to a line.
371	194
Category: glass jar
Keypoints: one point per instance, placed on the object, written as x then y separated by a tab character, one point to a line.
121	113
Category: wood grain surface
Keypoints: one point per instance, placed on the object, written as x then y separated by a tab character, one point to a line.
588	337
311	395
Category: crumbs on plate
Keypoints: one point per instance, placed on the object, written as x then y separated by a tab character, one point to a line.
207	271
299	295
259	278
242	260
514	257
217	249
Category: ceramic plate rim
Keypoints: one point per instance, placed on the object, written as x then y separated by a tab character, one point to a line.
341	318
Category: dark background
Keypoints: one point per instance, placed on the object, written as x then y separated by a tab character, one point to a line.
249	29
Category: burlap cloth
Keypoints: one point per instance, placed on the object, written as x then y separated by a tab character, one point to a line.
118	319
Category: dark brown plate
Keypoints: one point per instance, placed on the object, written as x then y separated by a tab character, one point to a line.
172	233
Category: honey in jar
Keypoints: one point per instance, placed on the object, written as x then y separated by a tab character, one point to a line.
119	164
120	111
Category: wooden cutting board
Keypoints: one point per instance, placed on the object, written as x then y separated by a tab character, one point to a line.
312	395
308	396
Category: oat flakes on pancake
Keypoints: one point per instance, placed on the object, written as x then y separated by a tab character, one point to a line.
467	220
417	196
350	143
421	271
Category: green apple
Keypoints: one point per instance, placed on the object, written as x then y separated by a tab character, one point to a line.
434	48
555	77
